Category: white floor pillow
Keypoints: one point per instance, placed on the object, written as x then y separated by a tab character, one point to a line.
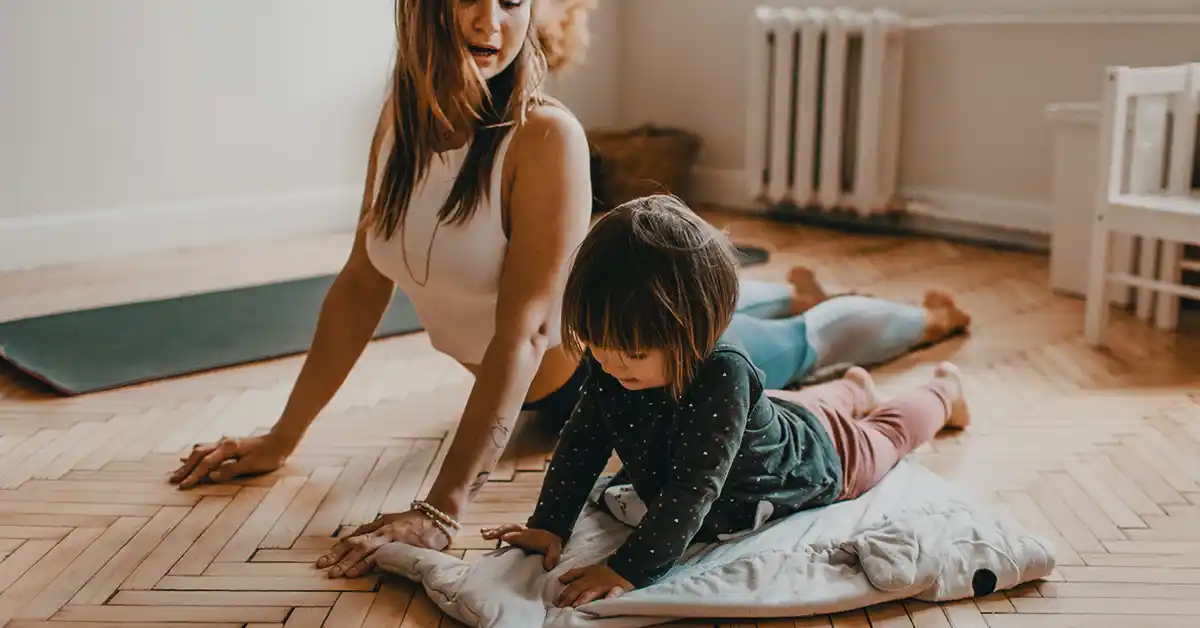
915	535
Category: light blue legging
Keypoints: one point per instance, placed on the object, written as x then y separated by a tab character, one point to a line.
843	330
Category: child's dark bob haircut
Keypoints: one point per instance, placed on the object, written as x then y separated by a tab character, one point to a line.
651	274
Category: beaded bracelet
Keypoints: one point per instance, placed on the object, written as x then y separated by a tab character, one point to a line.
438	518
444	530
435	514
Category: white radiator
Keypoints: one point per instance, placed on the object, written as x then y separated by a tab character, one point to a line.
823	108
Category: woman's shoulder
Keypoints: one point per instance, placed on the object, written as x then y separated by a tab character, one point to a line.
550	130
551	111
547	177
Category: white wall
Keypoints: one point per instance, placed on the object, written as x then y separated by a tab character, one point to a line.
593	90
129	125
975	137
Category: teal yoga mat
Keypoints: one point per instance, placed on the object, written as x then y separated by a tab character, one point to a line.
110	347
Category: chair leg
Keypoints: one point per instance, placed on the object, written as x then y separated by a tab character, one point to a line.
1096	309
1170	269
1122	258
1147	269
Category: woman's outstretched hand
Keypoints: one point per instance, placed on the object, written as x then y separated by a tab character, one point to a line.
354	555
230	458
529	539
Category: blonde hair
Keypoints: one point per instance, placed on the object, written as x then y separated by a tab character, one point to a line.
651	274
435	84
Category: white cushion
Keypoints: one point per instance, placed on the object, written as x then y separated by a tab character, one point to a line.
915	535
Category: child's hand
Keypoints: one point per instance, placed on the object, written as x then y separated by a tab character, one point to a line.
587	584
529	539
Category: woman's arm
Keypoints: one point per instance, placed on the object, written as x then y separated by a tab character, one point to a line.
349	316
550	208
356	302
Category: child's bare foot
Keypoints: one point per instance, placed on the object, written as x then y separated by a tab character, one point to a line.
806	290
945	318
950	378
861	378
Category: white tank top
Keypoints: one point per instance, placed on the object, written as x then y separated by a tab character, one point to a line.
452	275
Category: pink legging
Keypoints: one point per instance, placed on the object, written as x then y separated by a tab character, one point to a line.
871	443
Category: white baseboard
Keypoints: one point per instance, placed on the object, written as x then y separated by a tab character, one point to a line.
727	188
988	211
51	239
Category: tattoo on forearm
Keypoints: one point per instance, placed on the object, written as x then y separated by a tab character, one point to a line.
477	485
500	432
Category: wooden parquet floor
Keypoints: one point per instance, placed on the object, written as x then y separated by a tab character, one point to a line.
1100	451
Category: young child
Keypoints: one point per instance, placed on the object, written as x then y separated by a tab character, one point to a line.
648	303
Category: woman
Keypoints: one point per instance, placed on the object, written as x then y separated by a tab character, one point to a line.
482	256
481	246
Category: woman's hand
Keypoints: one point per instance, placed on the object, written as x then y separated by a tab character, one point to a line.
529	539
354	555
588	584
230	458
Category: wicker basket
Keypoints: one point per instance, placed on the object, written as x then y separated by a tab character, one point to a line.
643	161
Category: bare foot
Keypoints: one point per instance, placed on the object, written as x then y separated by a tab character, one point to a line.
951	380
861	378
806	290
945	318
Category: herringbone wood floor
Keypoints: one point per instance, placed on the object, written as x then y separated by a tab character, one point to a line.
1098	451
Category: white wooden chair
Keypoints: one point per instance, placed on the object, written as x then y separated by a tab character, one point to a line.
1146	190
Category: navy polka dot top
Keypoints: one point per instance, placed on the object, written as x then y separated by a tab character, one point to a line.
701	464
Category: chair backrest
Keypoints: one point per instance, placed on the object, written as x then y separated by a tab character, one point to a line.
1157	154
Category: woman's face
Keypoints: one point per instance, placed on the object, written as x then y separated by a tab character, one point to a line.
494	31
